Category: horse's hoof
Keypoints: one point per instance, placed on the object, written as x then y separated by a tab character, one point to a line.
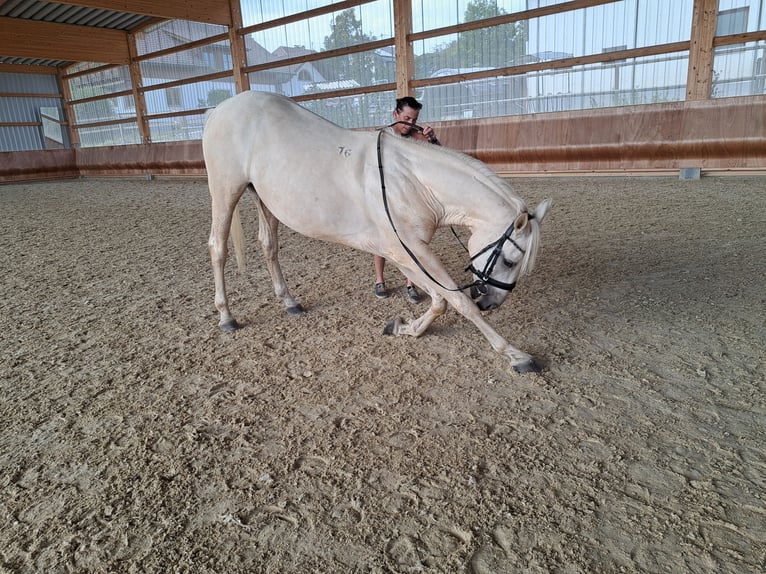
295	309
230	326
389	328
529	367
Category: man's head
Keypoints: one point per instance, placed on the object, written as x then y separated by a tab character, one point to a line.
407	110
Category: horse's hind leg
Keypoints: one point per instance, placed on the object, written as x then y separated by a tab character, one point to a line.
268	227
224	200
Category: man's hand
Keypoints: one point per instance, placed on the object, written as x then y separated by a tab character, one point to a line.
429	135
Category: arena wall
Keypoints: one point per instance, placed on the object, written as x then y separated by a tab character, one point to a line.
713	135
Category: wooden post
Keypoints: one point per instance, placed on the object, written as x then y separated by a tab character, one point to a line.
74	137
699	82
237	47
405	57
137	82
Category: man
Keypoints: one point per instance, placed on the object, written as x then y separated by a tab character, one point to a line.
407	110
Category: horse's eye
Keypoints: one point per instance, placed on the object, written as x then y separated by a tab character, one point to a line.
509	264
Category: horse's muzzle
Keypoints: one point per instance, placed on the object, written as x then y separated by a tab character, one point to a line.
477	292
487	305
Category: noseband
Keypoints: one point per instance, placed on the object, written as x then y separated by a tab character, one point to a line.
484	277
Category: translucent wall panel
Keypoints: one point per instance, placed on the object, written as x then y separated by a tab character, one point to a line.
119	134
82	66
186	64
109	81
102	110
620	25
20	138
257	11
739	70
188	127
350	27
635	81
736	16
356	111
191	96
433	14
174	33
618	20
343	72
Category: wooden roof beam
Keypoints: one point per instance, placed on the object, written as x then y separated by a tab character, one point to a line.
47	40
208	11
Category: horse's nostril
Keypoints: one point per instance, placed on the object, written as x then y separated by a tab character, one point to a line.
486	306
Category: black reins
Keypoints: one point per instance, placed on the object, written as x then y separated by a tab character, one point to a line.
484	276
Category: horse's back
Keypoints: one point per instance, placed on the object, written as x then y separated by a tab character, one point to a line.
262	114
309	172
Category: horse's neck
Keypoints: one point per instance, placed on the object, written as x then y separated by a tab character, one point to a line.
467	196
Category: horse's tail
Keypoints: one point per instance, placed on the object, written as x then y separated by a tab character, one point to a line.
238	239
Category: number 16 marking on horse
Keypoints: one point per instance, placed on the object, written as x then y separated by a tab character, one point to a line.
388	199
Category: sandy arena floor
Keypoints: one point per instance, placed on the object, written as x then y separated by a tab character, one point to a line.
136	437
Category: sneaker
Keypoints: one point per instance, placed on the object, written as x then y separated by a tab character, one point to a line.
413	294
380	290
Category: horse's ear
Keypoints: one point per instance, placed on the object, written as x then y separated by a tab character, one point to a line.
521	221
542	209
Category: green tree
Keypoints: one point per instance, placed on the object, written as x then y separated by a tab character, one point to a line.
493	47
346	30
490	47
215	97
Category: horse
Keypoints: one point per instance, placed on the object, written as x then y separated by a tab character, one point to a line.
370	190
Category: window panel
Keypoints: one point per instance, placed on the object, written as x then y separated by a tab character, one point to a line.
109	81
739	70
187	64
258	11
119	134
103	110
630	82
433	14
364	110
190	96
341	29
339	73
174	33
741	16
188	127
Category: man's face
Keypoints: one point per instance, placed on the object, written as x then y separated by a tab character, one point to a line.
406	114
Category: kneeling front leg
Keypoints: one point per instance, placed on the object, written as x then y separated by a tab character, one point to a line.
418	326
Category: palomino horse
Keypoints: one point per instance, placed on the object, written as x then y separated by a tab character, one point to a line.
372	191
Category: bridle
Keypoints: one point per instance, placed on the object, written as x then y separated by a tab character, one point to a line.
484	277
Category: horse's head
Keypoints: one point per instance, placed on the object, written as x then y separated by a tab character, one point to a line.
497	266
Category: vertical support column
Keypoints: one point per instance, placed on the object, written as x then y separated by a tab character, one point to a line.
699	82
405	57
137	83
74	136
237	46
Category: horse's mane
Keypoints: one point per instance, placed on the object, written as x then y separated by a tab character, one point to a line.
483	173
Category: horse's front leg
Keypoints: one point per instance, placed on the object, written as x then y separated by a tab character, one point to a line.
440	296
268	228
418	326
522	362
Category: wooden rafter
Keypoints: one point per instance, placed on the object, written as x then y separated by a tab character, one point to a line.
47	40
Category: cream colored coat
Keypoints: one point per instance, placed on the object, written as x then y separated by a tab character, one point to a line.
324	181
